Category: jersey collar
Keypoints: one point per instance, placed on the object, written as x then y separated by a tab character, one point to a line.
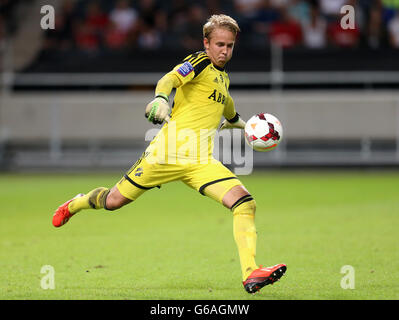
219	68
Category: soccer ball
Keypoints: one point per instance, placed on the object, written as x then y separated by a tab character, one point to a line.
263	132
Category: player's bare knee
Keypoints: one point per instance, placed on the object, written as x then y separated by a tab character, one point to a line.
234	195
115	200
112	203
111	206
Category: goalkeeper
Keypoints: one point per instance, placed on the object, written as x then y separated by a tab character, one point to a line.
182	150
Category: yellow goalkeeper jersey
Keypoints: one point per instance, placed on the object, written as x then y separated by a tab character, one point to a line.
199	103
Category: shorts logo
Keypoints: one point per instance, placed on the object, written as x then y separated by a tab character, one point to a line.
185	69
139	172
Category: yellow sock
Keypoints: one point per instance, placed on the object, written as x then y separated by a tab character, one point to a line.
95	199
245	235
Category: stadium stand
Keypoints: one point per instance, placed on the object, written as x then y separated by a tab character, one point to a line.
111	36
123	44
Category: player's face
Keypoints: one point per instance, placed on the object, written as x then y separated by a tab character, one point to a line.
219	46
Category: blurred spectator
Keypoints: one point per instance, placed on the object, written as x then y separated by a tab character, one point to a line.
114	37
389	7
280	4
373	28
123	17
61	37
96	18
214	7
331	9
344	38
151	26
299	10
248	9
192	37
85	37
178	16
149	37
369	18
2	43
2	34
89	31
315	30
153	15
393	31
336	35
246	12
7	12
261	24
286	32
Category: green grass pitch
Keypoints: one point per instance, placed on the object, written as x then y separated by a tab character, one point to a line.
174	243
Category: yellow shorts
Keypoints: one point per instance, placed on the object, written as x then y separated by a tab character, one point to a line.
145	175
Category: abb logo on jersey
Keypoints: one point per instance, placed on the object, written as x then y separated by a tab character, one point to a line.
221	98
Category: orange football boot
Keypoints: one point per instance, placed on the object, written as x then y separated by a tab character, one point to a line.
62	214
264	276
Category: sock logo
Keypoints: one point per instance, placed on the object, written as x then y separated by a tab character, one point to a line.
92	204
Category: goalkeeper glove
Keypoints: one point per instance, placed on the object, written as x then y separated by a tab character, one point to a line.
236	122
157	111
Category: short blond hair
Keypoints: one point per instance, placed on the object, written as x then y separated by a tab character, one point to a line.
220	21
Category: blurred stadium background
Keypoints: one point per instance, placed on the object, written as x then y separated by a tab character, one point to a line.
335	90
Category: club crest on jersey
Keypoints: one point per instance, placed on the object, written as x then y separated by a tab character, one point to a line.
185	69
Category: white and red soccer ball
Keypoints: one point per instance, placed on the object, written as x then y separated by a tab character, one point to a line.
263	132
